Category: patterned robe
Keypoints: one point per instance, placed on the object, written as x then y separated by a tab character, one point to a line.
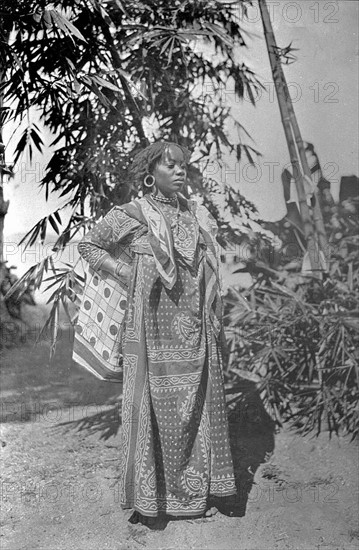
175	451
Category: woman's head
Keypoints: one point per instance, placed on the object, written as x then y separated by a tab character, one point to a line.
164	164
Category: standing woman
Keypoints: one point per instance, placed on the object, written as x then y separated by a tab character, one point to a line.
175	447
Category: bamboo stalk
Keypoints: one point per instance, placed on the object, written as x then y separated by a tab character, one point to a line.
280	86
317	213
4	205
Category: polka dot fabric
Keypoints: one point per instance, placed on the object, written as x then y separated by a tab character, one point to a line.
97	343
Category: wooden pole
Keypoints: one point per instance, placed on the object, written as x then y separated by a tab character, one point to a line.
281	90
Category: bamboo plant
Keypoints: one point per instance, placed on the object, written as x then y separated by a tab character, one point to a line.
313	224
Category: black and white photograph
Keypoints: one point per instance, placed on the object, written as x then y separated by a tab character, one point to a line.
179	274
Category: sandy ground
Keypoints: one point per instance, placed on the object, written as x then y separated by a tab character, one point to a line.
60	439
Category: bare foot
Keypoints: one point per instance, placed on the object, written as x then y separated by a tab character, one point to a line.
212	511
151	522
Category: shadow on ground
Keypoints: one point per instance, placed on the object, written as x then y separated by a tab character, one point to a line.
252	441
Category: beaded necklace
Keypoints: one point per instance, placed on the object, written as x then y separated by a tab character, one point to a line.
165	199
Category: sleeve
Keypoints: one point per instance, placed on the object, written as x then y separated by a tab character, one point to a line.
99	243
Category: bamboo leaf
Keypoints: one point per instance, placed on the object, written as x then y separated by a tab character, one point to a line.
53	224
105	83
57	216
43	228
65	25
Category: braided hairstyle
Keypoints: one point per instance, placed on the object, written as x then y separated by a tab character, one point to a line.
145	161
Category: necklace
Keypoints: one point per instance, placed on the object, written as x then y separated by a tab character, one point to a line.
169	200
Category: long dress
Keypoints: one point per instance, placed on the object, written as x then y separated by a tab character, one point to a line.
175	443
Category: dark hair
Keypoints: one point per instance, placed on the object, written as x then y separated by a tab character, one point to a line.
145	161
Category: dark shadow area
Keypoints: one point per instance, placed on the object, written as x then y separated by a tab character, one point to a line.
106	422
252	442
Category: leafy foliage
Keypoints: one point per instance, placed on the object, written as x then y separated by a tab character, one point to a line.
105	78
298	339
97	72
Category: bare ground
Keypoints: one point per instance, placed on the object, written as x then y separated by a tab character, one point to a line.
60	440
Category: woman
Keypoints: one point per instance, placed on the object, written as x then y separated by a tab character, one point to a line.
176	453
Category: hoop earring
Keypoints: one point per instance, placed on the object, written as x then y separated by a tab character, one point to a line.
145	181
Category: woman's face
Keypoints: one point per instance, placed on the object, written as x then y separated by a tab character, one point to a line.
170	173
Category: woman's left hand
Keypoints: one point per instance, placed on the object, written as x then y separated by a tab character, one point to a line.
123	272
